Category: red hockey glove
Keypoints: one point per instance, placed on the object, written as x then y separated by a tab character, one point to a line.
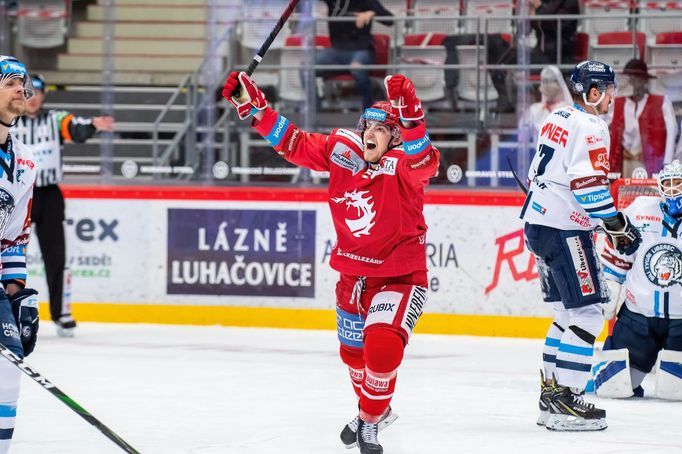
403	97
250	95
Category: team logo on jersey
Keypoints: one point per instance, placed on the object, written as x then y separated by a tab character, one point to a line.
6	198
344	157
360	204
663	265
599	158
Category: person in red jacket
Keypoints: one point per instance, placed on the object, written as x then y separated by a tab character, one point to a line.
377	176
644	128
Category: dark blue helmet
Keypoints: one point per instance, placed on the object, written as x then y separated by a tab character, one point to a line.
589	73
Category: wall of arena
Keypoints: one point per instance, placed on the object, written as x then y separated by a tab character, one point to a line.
259	257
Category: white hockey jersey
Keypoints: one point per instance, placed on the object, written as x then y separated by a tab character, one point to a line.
17	177
569	189
653	275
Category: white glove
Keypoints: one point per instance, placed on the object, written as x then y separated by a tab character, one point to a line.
616	297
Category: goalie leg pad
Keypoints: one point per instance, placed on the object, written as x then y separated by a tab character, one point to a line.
669	375
611	373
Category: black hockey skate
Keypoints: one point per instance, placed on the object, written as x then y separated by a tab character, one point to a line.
349	434
66	326
367	438
569	412
546	388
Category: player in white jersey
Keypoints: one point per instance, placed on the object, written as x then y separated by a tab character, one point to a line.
44	131
18	305
649	282
567	198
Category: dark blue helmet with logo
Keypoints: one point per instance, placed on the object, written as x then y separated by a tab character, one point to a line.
590	74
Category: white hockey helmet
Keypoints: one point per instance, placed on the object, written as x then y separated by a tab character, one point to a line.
670	187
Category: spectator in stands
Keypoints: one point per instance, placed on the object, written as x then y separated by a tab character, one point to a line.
352	43
554	94
546	48
644	127
44	132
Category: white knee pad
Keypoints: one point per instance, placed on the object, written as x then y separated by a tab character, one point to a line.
10	379
588	318
669	375
611	373
561	316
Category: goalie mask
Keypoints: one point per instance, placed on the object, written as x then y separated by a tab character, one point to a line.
670	188
11	68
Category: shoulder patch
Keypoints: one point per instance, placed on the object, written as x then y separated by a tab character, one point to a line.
343	156
350	135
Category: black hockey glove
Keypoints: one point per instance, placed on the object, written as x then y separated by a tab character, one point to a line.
622	234
25	308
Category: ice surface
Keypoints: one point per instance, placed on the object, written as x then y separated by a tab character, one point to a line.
201	390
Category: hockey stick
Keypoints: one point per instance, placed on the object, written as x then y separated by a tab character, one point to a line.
268	41
516	177
59	394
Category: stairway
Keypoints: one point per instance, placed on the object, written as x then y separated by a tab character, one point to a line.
156	42
135	111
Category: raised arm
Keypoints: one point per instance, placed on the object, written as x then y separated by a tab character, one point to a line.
422	158
295	145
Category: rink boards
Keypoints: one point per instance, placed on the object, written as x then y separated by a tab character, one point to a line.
259	257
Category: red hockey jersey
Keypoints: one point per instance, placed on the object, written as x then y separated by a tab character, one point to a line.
377	213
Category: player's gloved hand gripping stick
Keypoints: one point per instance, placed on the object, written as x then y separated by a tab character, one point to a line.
244	94
622	234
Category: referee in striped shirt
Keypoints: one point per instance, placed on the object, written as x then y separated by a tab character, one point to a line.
44	132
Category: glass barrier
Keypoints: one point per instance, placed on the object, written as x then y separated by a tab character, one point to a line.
478	67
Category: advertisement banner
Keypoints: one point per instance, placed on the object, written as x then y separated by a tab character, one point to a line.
109	250
275	254
241	252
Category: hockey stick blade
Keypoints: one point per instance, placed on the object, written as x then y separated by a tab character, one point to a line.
516	177
59	394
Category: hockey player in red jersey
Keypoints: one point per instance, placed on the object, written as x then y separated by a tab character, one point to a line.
377	175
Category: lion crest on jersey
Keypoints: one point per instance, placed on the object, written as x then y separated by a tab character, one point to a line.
663	265
364	212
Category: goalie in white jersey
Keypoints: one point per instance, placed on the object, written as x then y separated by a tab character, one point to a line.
649	282
567	199
18	305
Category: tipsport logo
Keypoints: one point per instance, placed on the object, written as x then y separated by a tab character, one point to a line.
375	114
12	68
